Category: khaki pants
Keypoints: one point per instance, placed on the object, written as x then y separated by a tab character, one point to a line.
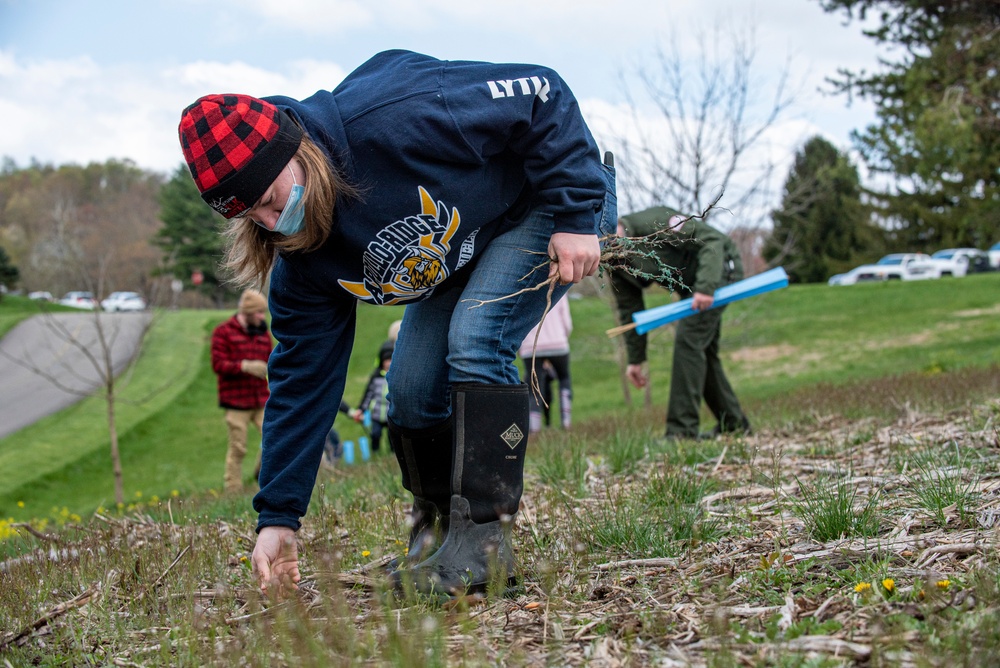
237	422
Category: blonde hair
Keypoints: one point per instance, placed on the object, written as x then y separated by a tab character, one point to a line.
393	332
251	250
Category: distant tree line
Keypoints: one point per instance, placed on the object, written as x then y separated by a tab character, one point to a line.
937	97
936	144
108	226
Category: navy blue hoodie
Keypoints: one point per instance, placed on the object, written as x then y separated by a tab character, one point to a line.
446	153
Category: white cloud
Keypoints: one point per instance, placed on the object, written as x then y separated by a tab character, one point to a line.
512	19
614	125
310	16
73	111
301	78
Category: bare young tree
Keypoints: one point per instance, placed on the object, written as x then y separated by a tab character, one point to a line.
80	353
698	137
699	127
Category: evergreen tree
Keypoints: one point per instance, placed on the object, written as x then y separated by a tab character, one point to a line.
821	228
9	275
938	133
191	237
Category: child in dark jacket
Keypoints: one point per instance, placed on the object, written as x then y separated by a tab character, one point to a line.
375	404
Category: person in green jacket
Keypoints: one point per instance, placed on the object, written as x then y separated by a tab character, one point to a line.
692	258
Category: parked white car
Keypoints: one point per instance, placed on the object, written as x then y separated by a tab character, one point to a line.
994	253
905	266
41	296
123	301
892	267
79	299
847	278
957	261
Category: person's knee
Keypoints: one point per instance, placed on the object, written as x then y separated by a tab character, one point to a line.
477	357
237	432
418	406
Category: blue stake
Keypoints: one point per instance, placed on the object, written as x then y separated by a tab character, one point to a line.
650	319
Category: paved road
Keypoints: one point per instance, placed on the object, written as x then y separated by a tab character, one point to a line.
53	345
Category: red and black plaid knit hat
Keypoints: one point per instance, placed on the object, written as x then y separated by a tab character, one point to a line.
235	147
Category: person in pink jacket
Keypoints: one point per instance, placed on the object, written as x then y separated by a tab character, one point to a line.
551	359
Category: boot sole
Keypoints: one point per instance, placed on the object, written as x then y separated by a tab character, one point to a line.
511	589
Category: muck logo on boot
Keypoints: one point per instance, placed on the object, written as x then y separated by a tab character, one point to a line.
512	436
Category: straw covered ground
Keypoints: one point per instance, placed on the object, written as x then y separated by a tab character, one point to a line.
844	542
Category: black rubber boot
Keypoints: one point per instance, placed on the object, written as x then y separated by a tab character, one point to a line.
491	437
425	464
473	556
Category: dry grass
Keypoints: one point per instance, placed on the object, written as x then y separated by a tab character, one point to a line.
634	553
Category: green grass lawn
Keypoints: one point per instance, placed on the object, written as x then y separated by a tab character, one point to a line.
784	352
821	540
172	436
805	335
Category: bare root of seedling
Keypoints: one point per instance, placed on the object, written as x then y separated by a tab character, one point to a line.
616	253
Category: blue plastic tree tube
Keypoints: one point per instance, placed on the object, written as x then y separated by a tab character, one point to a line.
773	279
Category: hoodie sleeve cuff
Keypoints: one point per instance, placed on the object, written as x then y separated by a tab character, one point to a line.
576	224
266	519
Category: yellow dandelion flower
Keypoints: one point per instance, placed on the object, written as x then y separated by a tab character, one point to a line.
138	495
20	504
243	558
862	587
889	584
943	584
154	499
365	553
6	530
174	493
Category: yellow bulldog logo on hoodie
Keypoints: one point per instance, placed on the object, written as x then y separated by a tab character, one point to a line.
407	257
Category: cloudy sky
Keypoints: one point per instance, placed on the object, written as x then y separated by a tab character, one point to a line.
88	80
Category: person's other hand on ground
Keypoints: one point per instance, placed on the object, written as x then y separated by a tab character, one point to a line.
275	560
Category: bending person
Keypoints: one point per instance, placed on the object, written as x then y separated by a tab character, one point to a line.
417	181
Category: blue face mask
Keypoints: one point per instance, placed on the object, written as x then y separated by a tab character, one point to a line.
293	216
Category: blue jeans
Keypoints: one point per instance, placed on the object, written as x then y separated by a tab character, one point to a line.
446	339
